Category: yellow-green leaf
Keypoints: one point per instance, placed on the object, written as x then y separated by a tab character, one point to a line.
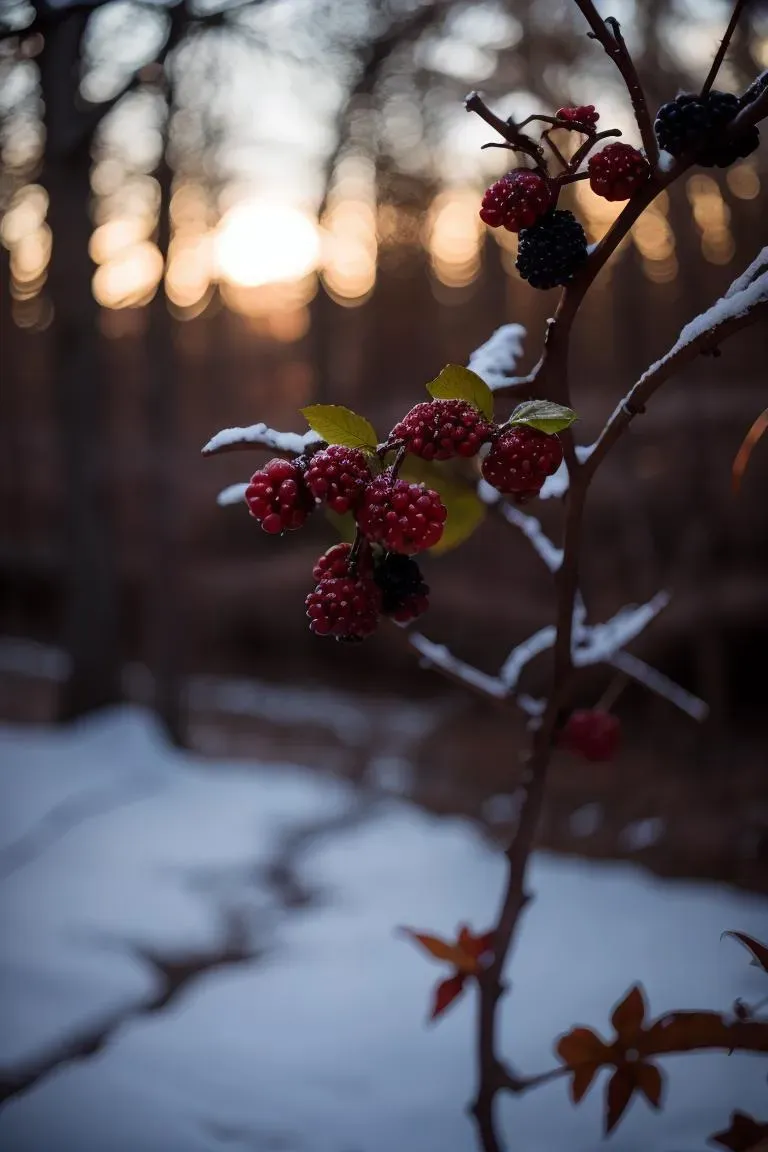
458	383
344	525
465	509
340	425
543	415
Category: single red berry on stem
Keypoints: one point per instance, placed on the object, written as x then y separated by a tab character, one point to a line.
516	201
278	497
338	476
617	172
337	561
592	734
579	114
404	517
521	459
346	607
440	429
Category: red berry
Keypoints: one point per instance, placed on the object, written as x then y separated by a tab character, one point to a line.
516	201
338	475
618	171
440	429
278	498
346	607
521	459
583	114
592	734
403	517
335	562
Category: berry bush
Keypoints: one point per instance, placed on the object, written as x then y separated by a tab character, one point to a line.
485	441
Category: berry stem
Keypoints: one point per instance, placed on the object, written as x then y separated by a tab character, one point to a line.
582	152
555	150
720	54
612	693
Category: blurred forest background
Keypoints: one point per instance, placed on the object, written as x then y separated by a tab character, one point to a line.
216	214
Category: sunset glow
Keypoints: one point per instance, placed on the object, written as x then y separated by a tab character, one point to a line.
261	243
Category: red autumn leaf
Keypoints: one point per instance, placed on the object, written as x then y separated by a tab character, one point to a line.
445	994
476	946
440	949
583	1075
582	1046
618	1094
465	955
627	1017
744	1133
759	951
649	1081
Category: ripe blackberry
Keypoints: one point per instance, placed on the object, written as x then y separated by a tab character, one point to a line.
592	734
516	201
551	252
278	497
403	517
521	459
617	172
338	475
404	593
696	123
346	607
336	562
440	429
584	115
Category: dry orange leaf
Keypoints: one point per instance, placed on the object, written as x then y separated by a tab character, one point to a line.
466	956
745	451
445	994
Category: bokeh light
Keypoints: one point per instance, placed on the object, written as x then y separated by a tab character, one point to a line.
454	237
712	216
258	243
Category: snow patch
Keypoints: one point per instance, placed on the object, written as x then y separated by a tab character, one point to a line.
497	359
260	434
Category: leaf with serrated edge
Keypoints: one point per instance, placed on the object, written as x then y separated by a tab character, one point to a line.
458	383
759	951
618	1094
543	415
340	425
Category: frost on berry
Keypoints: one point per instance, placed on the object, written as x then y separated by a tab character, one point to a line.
617	172
516	201
404	594
338	476
346	607
337	562
583	115
440	429
403	517
592	734
520	461
278	497
551	251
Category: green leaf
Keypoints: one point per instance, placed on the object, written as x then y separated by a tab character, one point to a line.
543	415
458	383
340	425
344	525
465	509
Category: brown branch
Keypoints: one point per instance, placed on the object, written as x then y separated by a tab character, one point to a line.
615	47
506	129
720	54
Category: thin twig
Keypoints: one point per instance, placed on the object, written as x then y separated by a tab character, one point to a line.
506	129
720	54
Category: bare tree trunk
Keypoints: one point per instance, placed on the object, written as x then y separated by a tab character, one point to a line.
90	609
164	591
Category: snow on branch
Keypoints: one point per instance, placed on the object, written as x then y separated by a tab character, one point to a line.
758	266
438	656
234	494
259	435
657	682
601	642
518	658
528	525
497	359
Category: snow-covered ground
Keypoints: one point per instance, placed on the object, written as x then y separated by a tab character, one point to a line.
120	861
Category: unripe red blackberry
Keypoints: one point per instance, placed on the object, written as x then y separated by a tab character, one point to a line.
278	497
404	593
440	429
403	517
583	114
346	607
592	734
692	123
336	562
550	253
617	172
521	459
338	476
516	201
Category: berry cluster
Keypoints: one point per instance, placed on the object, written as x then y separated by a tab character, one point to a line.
696	124
395	519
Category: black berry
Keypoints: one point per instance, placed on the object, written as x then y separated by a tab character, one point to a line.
551	252
404	595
